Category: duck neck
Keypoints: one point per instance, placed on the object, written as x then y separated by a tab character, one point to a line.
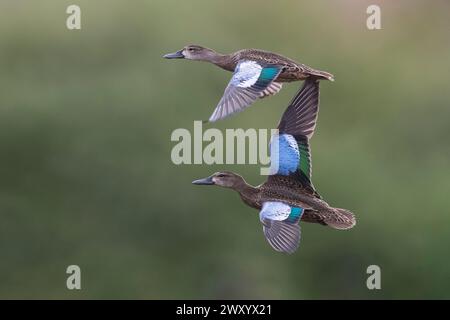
248	193
223	61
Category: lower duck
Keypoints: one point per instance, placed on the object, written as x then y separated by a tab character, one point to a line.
288	196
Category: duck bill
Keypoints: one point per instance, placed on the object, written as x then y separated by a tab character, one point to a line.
205	181
176	55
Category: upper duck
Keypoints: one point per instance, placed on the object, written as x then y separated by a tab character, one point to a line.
288	196
257	74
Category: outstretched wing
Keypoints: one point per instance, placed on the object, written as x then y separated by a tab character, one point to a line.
281	225
290	151
250	81
300	117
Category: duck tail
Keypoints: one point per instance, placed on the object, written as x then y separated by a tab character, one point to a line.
341	219
322	75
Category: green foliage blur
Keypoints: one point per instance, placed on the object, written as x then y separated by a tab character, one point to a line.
86	176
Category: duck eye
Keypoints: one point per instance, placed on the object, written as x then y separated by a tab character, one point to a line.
221	175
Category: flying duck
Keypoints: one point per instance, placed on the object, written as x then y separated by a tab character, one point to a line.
256	74
288	196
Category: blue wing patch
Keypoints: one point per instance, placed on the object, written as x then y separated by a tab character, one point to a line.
246	74
250	74
280	211
284	154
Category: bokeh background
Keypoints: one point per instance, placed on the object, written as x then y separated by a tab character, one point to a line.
86	176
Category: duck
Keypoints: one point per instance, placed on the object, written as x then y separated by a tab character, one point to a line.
256	74
288	196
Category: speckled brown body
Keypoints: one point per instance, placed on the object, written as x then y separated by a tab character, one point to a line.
287	190
292	71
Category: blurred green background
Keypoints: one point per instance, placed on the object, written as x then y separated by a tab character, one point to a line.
86	176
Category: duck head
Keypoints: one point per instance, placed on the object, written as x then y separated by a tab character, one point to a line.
193	52
224	179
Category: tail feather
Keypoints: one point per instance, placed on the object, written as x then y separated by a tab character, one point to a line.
342	219
322	75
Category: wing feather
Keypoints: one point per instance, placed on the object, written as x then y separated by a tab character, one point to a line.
249	82
297	126
281	225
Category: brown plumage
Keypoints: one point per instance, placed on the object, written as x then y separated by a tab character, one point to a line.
286	189
257	74
291	71
289	187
